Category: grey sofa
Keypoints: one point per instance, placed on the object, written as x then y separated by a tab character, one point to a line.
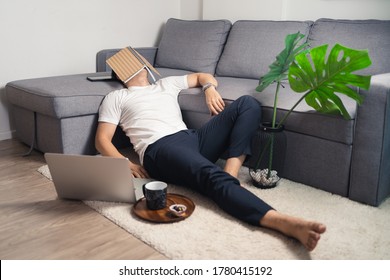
350	158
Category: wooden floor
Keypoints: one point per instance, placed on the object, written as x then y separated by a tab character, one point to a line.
35	224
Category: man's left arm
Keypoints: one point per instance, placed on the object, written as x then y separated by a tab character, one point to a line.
209	85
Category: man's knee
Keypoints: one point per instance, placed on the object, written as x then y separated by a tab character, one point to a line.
249	101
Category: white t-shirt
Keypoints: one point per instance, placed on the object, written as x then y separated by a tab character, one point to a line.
147	113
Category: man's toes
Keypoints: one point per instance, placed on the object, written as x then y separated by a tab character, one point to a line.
312	241
320	228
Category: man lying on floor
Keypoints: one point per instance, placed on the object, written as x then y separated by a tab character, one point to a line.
150	116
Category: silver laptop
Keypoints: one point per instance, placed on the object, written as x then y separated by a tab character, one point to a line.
94	178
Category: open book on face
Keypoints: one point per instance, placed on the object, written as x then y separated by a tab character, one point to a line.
127	63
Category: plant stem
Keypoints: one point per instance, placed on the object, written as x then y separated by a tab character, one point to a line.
292	109
271	150
275	103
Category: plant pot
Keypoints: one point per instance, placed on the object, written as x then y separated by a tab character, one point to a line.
261	148
260	180
260	159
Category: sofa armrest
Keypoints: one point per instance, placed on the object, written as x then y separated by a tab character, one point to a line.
101	66
370	176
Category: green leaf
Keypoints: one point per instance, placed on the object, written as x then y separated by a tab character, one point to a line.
324	76
279	68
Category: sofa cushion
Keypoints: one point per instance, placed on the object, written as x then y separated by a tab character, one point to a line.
304	119
253	45
373	35
192	45
61	96
168	72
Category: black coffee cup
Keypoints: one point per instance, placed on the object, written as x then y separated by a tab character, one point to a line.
155	194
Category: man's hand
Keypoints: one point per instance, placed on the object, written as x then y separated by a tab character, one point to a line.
138	171
214	101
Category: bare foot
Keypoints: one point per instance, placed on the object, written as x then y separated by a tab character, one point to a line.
307	232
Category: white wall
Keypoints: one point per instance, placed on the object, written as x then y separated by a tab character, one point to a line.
58	37
295	9
348	9
242	9
191	9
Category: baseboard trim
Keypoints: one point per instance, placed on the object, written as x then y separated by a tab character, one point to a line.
7	135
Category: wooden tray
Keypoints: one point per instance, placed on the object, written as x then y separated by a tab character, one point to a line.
164	215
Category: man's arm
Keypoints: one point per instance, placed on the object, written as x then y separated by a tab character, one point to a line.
214	100
103	142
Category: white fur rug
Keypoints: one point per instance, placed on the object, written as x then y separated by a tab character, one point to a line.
354	231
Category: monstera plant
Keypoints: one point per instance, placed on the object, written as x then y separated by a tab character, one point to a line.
319	76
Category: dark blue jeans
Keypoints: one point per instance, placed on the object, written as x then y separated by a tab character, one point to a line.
187	158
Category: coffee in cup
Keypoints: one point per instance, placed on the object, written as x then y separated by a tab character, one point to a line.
155	194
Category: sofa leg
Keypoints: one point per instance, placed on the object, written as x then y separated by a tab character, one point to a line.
34	136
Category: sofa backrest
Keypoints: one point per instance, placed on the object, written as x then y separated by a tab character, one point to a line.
253	45
373	35
193	45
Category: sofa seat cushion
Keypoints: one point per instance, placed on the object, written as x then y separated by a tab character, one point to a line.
373	35
61	96
192	45
253	45
303	120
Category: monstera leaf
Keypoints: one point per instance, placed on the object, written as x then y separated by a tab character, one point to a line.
279	68
321	76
